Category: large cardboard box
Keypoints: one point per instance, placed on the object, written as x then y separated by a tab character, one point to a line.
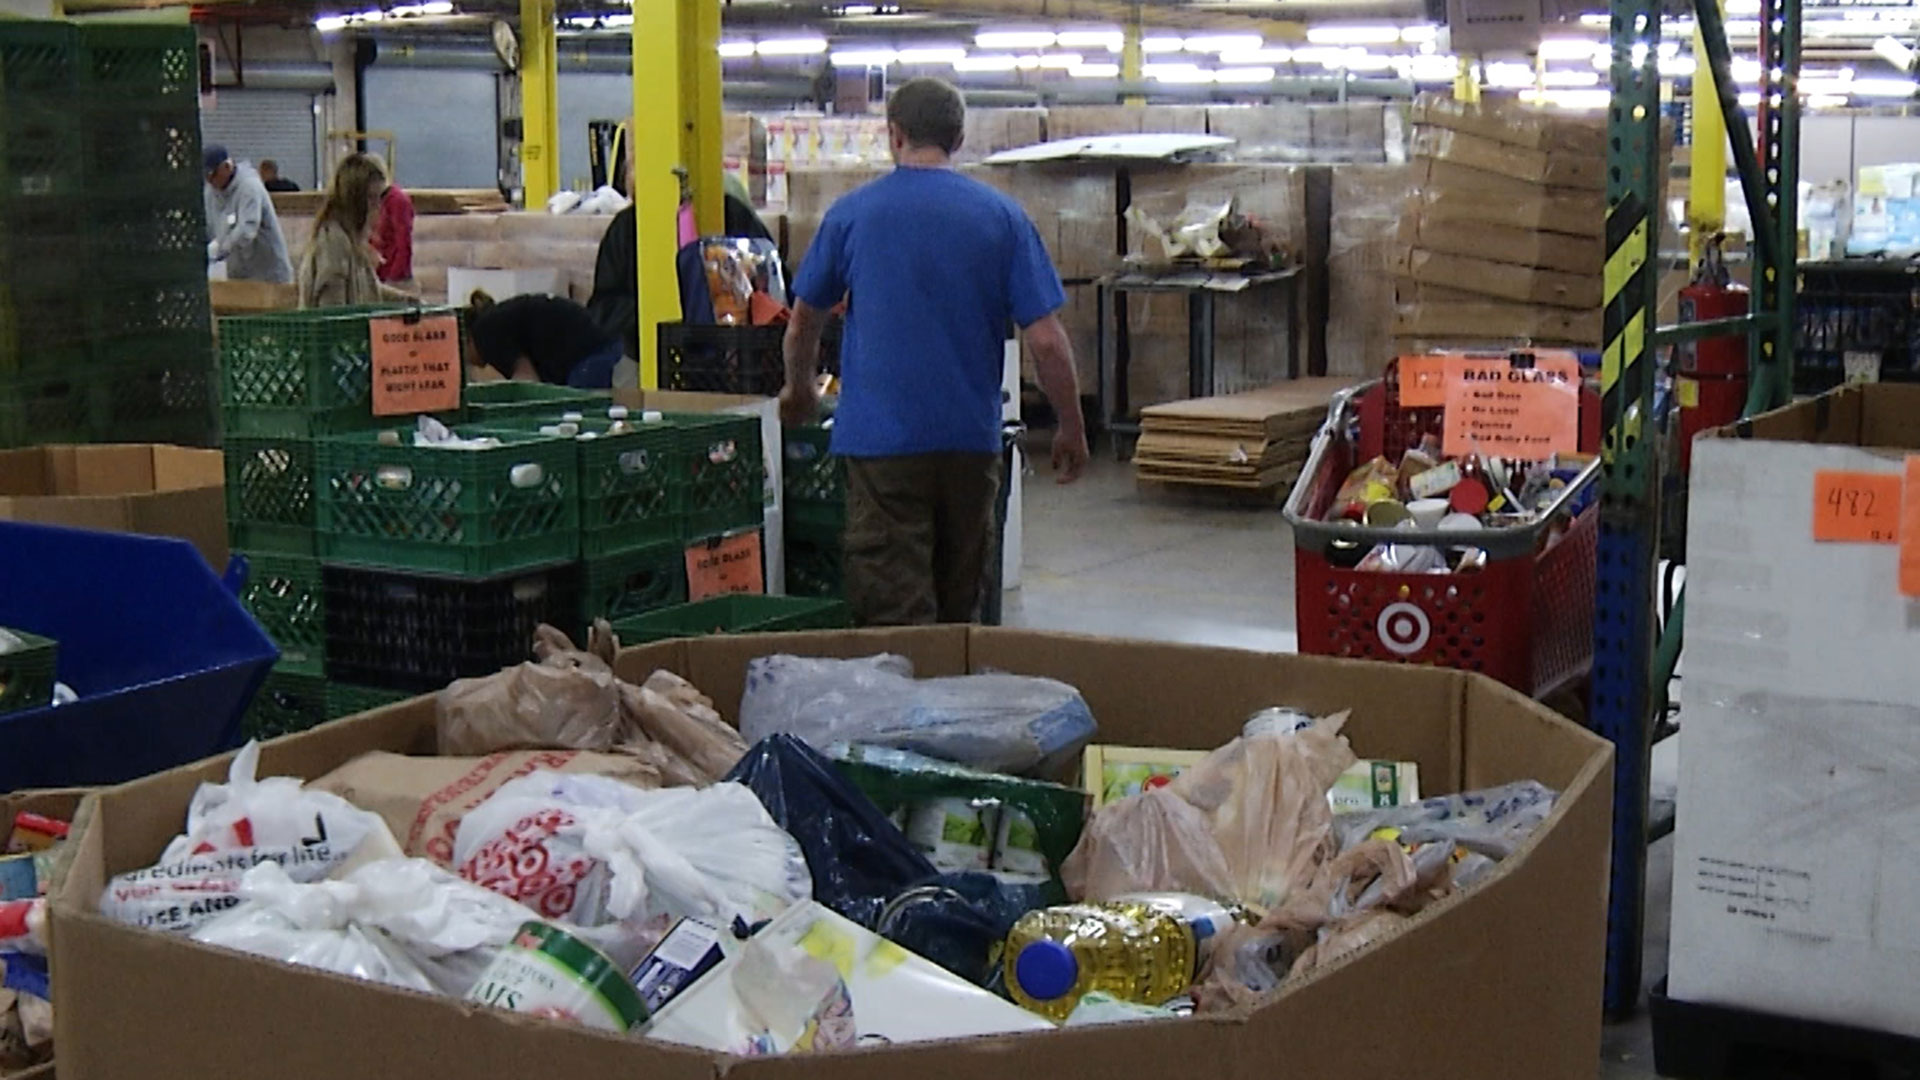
1554	168
1511	122
1794	878
137	488
1521	284
1503	243
1444	191
1503	980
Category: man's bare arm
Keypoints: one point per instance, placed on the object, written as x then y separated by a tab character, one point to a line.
1053	363
800	399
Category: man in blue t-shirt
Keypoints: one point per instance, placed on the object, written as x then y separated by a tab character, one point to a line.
934	268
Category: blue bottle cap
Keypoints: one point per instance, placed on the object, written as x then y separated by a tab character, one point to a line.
1046	970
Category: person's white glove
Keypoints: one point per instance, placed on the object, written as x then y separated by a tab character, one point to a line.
214	254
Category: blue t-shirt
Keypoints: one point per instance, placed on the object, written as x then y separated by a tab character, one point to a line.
934	265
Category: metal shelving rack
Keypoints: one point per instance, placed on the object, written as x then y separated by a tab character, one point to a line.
1632	664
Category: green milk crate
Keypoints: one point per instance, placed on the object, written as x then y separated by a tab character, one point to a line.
620	586
812	478
738	614
271	494
510	398
815	560
346	699
469	513
27	672
628	495
723	478
287	703
285	596
296	374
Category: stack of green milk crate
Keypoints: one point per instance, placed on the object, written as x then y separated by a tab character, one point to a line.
652	485
288	381
814	482
105	332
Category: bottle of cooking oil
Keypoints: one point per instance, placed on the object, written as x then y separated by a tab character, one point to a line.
1143	949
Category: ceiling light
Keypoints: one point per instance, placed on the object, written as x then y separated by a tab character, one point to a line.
1570	78
1095	71
1568	48
1432	69
862	57
1154	45
1592	19
854	10
432	7
932	54
1357	34
1826	101
1894	52
1324	55
987	62
1240	75
1507	75
812	46
1253	57
1419	33
1219	43
330	24
1817	87
1110	40
1746	70
1669	48
1881	88
1014	39
733	50
1061	61
1678	67
1362	60
1742	7
1749	98
1029	62
1177	73
1743	28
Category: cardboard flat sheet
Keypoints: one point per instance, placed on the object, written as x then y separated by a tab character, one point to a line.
1112	148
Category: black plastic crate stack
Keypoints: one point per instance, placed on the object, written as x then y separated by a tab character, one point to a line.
105	332
814	486
1856	319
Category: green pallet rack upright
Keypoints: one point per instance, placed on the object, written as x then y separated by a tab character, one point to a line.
1632	662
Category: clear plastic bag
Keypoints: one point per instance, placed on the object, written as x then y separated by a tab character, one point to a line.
1493	822
673	713
591	850
532	706
1012	724
1151	842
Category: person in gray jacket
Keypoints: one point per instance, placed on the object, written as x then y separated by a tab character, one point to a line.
240	218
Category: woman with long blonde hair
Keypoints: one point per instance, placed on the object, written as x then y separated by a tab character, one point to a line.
338	269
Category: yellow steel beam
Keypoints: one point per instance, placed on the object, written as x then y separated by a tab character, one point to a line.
1153	16
1133	55
539	103
1466	82
1707	179
700	122
656	140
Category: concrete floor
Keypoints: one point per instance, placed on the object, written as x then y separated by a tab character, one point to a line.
1105	556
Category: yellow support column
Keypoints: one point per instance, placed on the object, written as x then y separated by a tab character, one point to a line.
539	103
700	115
1133	57
1707	180
656	141
1466	82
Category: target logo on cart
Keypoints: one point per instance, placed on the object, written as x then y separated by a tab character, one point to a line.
1403	628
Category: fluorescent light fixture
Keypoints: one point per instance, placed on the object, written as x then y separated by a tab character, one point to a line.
330	24
855	10
598	22
1028	62
369	17
1743	7
1353	34
1061	61
1507	75
1155	45
1749	98
1110	40
1746	70
1566	78
1592	19
1014	39
1669	48
1638	55
809	46
433	7
1242	75
862	57
1894	52
1176	73
1324	55
1419	33
1585	100
1825	87
1881	88
734	50
1255	57
1219	43
987	62
1095	71
1432	69
1743	28
1678	67
931	54
1826	101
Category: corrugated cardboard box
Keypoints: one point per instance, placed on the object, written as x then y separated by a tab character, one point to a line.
1075	121
1502	980
1510	122
1483	321
137	488
1794	878
1503	243
1443	191
1554	168
1282	131
251	297
1521	284
1366	204
62	804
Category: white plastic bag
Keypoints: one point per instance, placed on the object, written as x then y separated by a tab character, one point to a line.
1000	723
592	850
403	922
233	827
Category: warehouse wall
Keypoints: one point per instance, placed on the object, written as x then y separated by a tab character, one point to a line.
444	124
586	96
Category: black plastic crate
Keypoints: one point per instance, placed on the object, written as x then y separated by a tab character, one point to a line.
165	307
420	632
149	238
633	582
45	409
722	359
1859	314
1718	1042
816	560
287	703
160	395
40	324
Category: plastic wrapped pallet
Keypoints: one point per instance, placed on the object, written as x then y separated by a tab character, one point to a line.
1075	121
1366	206
1521	284
1282	131
1354	132
990	131
1504	243
1554	168
1513	124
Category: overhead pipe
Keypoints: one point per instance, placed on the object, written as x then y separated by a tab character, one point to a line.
1150	16
277	75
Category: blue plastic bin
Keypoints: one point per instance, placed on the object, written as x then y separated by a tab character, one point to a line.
162	655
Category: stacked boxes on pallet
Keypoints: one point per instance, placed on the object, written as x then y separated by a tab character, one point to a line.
105	333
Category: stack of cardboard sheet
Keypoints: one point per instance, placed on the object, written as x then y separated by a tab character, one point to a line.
425	201
1502	239
1253	441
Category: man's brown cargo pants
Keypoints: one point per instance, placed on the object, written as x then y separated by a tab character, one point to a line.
920	530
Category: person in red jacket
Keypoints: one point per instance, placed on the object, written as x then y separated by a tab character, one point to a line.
393	237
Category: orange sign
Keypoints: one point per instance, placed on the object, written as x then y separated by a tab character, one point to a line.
1423	381
1910	531
1496	407
416	364
731	564
1856	507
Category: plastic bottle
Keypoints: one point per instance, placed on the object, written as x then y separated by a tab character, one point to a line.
1144	949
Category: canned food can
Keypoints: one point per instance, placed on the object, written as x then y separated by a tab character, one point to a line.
545	971
1017	847
954	834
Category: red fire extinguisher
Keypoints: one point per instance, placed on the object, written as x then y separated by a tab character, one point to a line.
1710	377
